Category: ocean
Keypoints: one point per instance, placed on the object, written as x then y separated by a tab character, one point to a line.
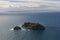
50	20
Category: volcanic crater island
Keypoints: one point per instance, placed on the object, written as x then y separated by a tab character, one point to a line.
31	26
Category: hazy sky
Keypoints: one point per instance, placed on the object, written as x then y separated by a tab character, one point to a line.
29	5
20	0
29	0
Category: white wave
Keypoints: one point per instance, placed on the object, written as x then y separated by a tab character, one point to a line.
11	29
23	29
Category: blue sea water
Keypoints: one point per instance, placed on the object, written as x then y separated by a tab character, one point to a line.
50	20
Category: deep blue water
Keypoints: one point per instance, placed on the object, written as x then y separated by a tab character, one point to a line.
50	20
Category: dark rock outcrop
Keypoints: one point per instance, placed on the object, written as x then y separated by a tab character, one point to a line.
17	28
33	26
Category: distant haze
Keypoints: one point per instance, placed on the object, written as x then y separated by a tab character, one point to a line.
31	5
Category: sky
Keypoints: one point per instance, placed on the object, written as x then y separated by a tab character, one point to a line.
26	6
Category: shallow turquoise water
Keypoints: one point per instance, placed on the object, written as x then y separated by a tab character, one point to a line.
50	20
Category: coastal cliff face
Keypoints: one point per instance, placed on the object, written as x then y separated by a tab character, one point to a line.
33	26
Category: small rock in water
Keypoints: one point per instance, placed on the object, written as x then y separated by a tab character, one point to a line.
17	28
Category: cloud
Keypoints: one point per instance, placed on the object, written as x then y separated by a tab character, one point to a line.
34	6
41	4
38	0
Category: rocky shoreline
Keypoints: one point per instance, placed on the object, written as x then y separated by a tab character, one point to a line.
31	26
